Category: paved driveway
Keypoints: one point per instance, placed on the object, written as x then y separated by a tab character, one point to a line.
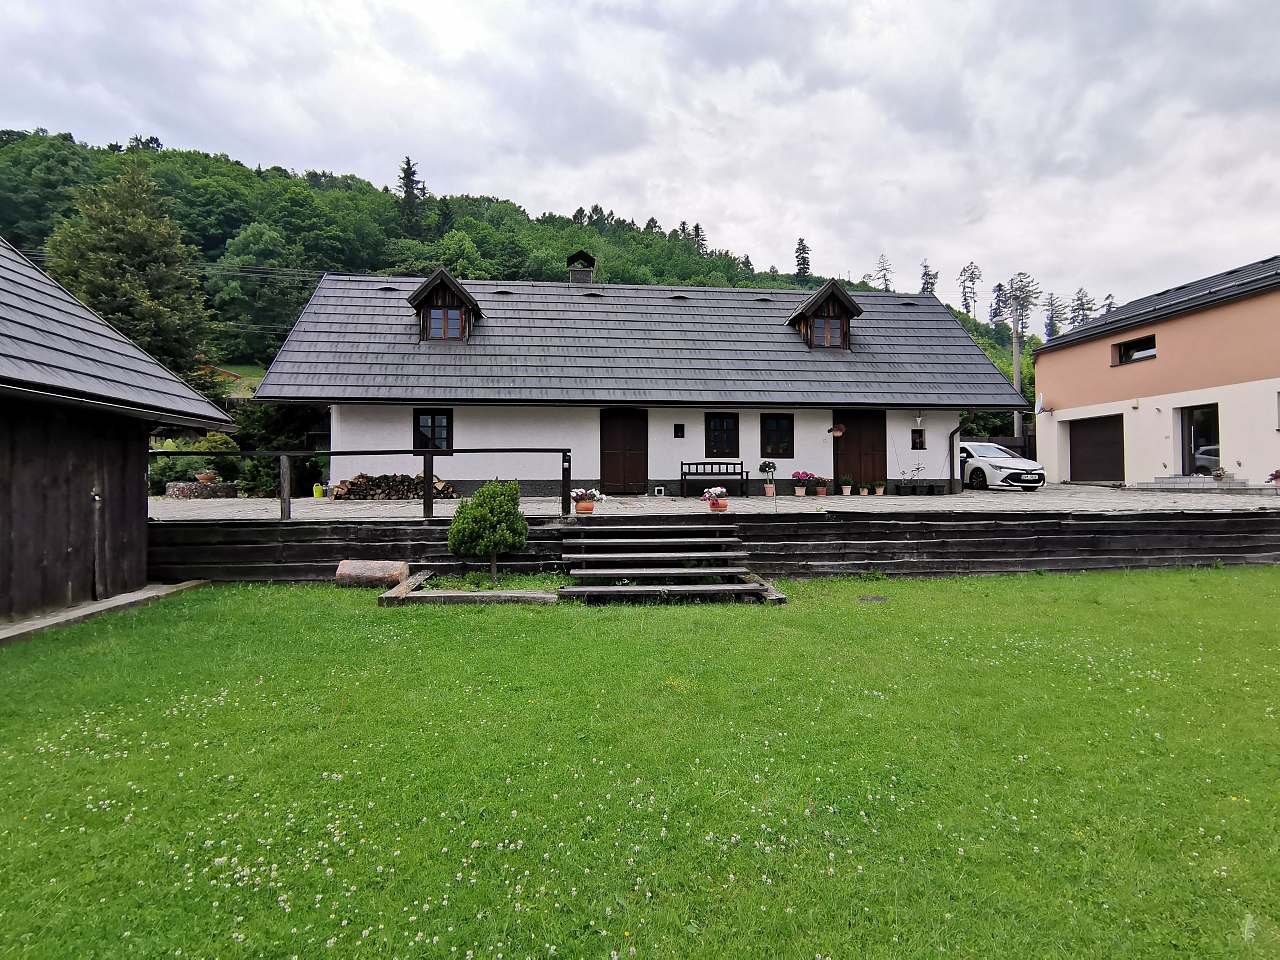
1055	497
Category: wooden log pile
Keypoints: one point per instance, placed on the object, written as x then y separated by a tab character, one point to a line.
390	486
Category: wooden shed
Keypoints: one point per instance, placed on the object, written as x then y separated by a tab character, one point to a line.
78	401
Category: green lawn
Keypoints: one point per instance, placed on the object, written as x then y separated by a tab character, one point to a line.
1043	766
251	375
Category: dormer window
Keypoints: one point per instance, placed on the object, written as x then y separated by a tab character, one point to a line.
828	326
445	310
445	323
823	320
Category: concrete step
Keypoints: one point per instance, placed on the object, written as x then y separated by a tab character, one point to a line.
664	591
651	529
692	555
674	573
652	542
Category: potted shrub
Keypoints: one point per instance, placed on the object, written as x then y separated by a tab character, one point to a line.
584	501
864	488
717	498
821	484
1220	473
802	479
769	468
879	485
1275	478
846	485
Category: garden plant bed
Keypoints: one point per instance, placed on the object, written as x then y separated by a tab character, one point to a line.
1008	766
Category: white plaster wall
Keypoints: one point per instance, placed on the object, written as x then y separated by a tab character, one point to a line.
1248	422
369	427
901	459
812	446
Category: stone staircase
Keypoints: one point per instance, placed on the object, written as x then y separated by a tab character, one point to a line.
663	562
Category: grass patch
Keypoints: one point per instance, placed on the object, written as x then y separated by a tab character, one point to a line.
1059	766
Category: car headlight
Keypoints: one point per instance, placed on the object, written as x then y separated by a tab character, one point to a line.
1000	466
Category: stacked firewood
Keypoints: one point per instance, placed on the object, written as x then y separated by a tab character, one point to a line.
390	486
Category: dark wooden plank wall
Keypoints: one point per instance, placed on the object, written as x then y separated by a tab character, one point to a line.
58	545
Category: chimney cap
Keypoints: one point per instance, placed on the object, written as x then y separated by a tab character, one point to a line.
581	259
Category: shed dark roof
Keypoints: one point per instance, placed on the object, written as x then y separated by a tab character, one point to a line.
1261	276
561	343
54	347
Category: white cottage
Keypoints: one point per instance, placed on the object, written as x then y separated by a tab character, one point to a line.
635	380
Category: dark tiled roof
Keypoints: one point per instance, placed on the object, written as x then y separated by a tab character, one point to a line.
1246	281
358	340
52	345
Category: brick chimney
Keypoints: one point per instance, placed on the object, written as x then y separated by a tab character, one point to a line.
582	267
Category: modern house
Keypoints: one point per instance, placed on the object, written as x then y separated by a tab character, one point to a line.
1180	383
636	380
77	403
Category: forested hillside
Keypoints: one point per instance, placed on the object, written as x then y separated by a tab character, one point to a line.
205	260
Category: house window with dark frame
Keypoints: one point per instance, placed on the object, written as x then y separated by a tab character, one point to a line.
443	316
722	435
433	429
777	435
828	325
917	438
678	432
1131	351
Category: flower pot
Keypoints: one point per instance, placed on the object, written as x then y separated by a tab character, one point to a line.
822	491
846	490
800	491
879	491
585	506
863	491
718	506
770	490
206	477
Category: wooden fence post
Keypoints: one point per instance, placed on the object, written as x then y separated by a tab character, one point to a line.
286	483
428	485
566	464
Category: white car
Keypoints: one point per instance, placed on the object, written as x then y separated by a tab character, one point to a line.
990	466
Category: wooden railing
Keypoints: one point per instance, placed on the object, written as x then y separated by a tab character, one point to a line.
428	466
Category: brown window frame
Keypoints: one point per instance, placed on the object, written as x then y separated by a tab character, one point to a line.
728	432
779	448
419	437
829	318
442	300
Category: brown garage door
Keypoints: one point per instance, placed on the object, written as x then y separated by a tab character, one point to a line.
1097	449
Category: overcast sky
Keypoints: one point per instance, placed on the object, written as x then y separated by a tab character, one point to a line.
1123	145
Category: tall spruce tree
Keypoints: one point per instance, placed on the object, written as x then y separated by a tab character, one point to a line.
122	255
1055	316
1108	303
802	260
1082	307
409	199
1023	294
883	273
699	239
970	274
928	278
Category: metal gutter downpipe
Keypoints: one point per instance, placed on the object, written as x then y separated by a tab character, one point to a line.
951	461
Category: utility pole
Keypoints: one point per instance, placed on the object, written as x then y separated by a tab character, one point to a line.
1017	376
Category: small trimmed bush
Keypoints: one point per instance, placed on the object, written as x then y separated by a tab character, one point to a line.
489	523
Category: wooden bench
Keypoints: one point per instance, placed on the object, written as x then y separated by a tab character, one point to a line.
713	470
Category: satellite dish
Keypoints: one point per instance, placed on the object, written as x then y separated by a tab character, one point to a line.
1039	403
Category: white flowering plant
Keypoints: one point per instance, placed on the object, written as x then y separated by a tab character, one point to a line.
587	496
715	493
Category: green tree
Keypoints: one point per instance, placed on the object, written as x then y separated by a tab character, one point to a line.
122	255
1082	307
1055	316
409	198
39	176
488	524
883	273
928	278
970	274
802	259
255	295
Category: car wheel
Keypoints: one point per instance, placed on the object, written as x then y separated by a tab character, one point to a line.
978	479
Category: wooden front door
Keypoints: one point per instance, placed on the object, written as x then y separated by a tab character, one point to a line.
624	450
860	451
